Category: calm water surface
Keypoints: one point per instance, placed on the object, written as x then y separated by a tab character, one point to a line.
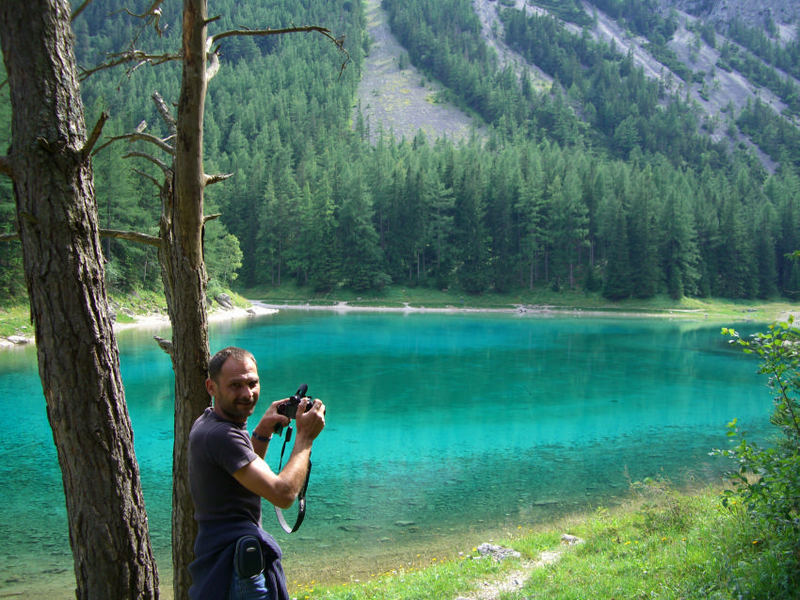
443	430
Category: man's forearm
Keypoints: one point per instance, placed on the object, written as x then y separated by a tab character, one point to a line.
294	472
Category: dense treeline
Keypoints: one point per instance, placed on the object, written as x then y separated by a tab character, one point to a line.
605	186
774	135
12	283
527	214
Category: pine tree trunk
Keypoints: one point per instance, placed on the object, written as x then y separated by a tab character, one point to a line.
185	282
77	350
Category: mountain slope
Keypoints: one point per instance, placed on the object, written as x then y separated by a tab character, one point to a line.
394	96
718	95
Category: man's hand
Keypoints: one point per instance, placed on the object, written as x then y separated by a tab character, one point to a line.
271	419
311	423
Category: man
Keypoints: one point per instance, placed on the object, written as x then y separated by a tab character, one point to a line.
228	477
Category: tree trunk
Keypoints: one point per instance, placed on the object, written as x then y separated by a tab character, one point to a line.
185	281
77	350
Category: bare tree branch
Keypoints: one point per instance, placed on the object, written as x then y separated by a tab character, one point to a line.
130	56
165	112
95	135
154	10
165	345
338	42
269	31
131	236
8	237
144	137
155	181
208	218
212	65
79	10
212	179
151	15
5	167
165	168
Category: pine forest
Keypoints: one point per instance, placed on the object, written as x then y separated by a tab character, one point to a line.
605	179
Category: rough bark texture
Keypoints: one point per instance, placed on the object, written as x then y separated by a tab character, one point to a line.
185	281
77	350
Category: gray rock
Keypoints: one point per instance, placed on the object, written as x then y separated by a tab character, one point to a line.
224	301
570	540
496	552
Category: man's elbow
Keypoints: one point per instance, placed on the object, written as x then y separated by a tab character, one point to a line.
283	504
284	497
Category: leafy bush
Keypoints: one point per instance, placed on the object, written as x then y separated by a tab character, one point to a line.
767	479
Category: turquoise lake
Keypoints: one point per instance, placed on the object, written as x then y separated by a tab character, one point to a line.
443	430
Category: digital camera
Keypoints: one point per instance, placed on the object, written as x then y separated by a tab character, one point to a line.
289	408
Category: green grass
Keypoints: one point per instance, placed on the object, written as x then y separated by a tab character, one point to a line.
660	544
445	580
15	320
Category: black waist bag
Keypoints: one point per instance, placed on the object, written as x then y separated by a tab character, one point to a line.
248	560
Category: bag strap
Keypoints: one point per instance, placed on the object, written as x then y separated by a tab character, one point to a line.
301	496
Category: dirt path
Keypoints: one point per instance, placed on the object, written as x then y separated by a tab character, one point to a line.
514	581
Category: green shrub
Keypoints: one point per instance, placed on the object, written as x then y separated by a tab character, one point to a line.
767	479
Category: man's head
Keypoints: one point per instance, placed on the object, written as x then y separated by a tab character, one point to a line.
233	382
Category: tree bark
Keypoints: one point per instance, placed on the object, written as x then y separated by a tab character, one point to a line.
76	346
184	275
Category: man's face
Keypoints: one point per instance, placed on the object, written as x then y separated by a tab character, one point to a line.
235	390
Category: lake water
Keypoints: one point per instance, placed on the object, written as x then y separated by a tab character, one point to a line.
443	431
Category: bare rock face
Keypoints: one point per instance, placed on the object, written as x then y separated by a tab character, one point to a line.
783	12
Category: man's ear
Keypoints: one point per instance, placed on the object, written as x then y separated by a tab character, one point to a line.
211	387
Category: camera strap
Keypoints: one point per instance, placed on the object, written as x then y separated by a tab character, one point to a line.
301	496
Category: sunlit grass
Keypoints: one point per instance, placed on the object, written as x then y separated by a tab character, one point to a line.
15	320
660	544
442	579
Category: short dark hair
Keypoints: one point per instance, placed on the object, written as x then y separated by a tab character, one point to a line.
216	362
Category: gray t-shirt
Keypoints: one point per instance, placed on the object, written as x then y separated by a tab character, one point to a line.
218	448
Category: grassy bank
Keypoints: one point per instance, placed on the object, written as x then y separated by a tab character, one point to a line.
399	296
128	308
660	544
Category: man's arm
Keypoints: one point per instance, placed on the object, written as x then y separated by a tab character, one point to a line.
282	489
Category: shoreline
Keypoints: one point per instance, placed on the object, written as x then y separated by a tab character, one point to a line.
259	308
521	309
156	321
